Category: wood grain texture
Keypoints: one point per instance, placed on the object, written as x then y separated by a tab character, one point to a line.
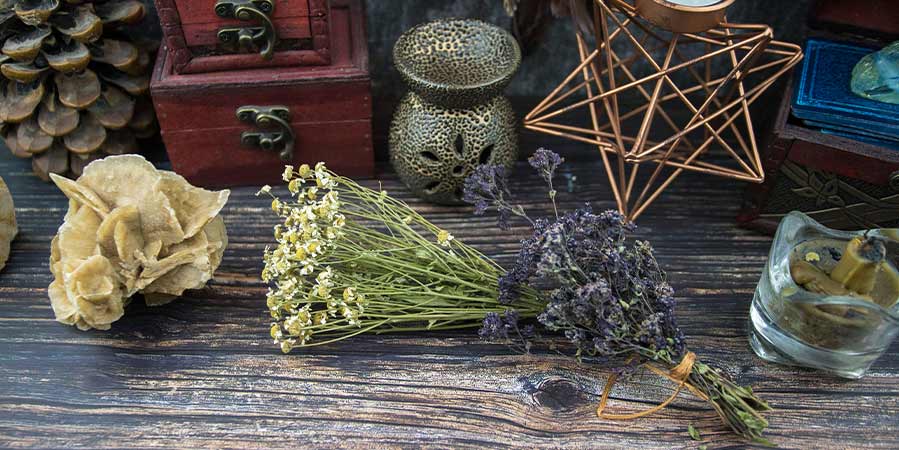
330	110
203	11
202	372
190	29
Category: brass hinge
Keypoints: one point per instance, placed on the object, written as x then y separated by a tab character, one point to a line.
274	132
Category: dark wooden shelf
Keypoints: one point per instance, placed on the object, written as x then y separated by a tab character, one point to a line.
202	371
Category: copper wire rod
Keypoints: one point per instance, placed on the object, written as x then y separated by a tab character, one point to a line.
704	82
621	64
702	39
679	155
541	106
678	136
605	148
748	120
646	95
793	48
723	94
641	208
722	173
696	154
788	53
752	95
673	96
677	159
600	26
626	86
715	135
687	101
704	85
650	110
713	169
663	99
567	80
608	134
668	181
604	145
607	42
582	50
572	128
538	109
631	180
692	126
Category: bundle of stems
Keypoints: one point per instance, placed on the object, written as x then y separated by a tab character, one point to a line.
608	296
351	260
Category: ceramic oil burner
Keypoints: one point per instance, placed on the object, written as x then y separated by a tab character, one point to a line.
454	117
827	299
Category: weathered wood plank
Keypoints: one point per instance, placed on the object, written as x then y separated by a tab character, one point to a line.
201	371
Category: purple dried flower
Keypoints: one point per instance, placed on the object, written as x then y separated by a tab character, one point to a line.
487	187
492	328
505	327
546	162
606	295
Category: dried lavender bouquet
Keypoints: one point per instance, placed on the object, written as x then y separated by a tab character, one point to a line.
351	260
607	296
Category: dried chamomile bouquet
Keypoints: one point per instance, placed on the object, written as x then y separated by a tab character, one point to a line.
131	229
606	295
351	260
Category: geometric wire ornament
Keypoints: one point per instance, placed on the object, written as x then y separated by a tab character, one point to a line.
672	99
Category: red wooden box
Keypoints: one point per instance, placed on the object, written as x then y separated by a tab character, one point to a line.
840	182
195	34
329	112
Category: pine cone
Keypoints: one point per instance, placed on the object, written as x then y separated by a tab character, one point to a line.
73	87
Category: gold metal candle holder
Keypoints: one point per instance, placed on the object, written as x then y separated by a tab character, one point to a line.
684	58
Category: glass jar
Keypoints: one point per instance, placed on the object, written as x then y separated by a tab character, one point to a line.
840	334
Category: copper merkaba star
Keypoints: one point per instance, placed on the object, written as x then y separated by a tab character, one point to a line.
653	61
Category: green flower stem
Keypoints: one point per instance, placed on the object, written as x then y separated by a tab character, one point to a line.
738	407
352	260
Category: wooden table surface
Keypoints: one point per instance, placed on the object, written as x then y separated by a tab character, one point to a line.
202	371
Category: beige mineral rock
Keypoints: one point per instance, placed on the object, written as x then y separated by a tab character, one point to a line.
8	226
131	229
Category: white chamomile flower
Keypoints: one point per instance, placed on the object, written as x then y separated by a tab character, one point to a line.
444	238
288	173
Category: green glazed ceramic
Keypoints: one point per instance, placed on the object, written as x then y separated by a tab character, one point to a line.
455	117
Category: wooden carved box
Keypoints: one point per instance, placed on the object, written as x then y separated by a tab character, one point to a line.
842	182
216	35
241	127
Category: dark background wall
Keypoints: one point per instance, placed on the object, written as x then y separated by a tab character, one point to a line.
548	62
555	54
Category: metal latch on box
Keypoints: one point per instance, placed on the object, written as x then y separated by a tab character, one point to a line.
274	132
260	38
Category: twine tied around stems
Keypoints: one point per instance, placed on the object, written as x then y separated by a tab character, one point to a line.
679	374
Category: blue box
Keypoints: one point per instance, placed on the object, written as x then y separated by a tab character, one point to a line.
823	96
